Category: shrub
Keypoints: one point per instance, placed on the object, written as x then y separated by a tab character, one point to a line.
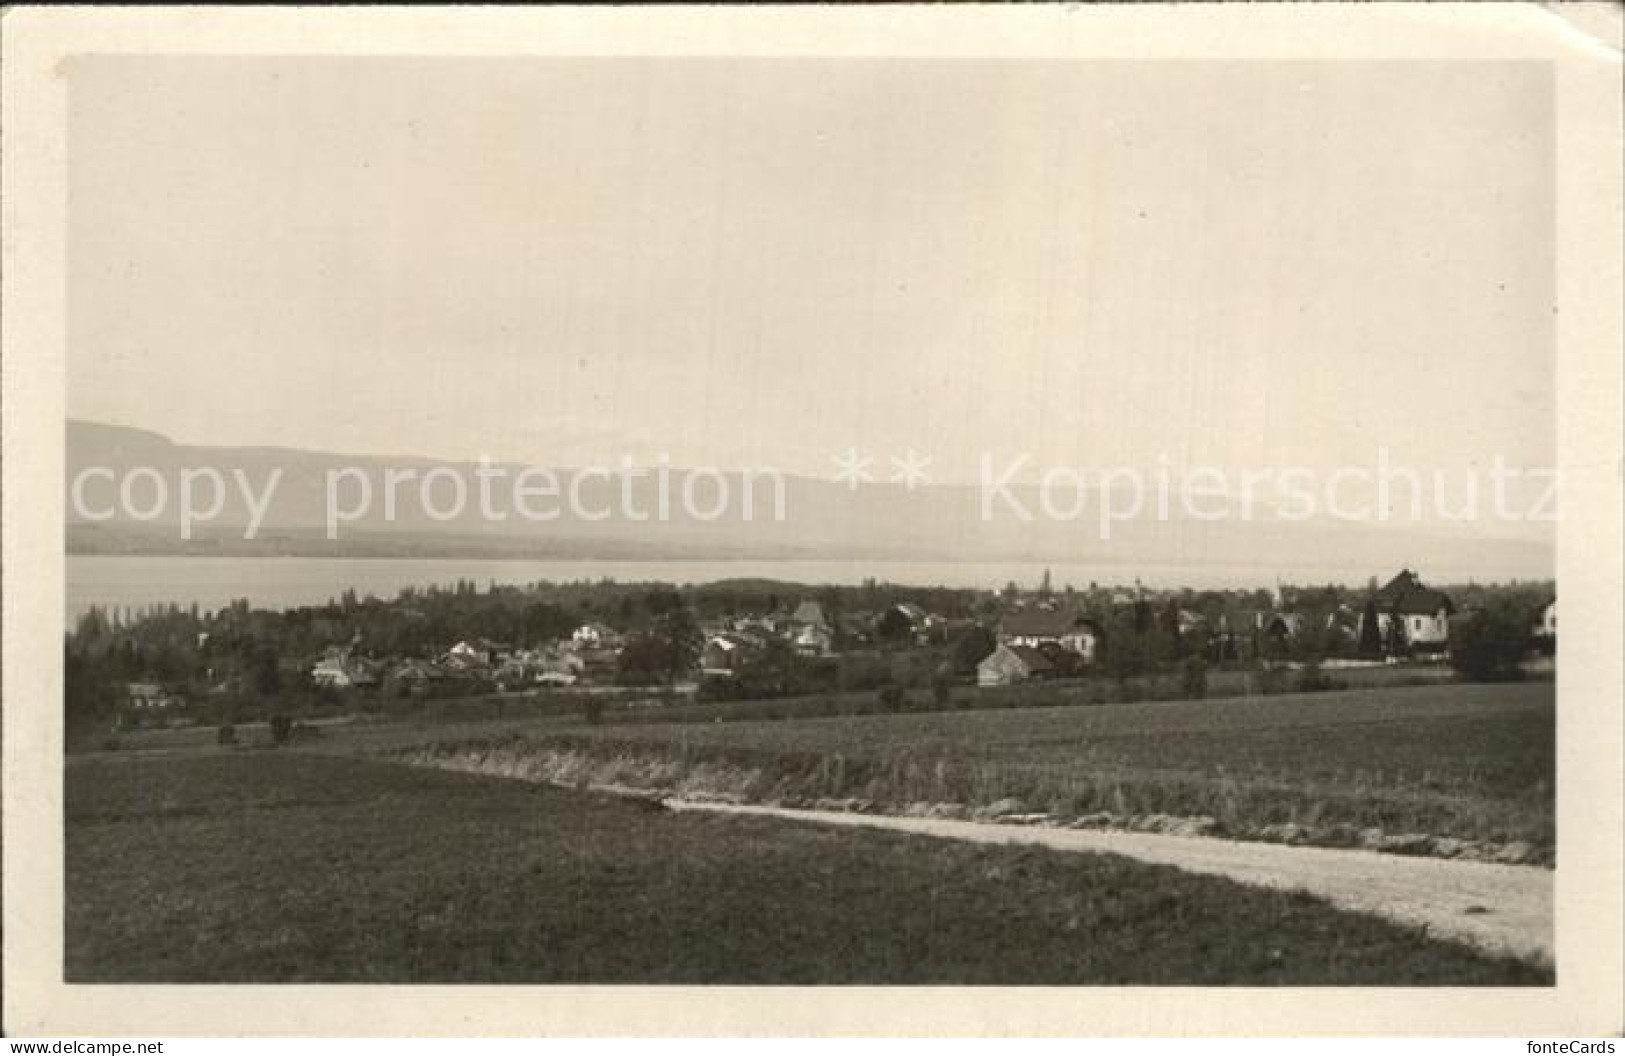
403	705
1489	646
226	735
892	698
1129	691
864	672
1193	678
592	709
970	647
281	728
1312	679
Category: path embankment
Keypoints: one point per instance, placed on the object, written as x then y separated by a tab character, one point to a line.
1497	906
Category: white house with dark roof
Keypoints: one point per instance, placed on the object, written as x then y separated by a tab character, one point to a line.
1424	613
1065	627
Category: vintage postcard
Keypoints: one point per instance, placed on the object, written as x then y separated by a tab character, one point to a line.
899	520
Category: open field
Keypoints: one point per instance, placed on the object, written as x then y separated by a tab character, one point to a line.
1066	692
287	866
1463	762
557	709
630	706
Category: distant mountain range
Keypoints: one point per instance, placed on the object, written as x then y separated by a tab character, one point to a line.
822	519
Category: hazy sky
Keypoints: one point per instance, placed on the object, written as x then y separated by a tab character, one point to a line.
767	262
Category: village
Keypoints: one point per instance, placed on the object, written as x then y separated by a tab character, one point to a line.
175	667
828	522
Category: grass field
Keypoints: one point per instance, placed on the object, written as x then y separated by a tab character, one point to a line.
1469	762
387	720
284	866
1092	689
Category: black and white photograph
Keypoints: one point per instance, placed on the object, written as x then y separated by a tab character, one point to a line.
751	516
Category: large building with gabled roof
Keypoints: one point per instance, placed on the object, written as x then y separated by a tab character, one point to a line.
1423	613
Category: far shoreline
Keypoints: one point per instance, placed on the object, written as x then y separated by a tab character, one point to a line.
285	581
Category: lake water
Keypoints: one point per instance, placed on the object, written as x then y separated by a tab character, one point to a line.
285	582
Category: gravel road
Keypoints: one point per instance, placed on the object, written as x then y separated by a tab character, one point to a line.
1502	908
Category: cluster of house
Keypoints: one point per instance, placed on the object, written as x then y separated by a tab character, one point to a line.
591	652
1039	641
1036	637
1032	639
732	643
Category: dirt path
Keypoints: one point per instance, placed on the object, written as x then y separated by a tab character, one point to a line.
1504	908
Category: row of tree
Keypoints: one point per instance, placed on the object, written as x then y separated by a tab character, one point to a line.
257	654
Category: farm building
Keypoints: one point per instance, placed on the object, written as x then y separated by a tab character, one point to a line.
724	653
150	697
1008	665
1064	627
338	669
